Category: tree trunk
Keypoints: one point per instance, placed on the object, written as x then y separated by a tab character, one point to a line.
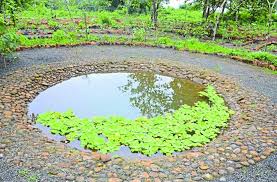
270	10
205	8
155	13
86	24
238	10
208	12
223	5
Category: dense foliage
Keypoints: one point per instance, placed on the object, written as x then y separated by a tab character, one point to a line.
187	127
200	25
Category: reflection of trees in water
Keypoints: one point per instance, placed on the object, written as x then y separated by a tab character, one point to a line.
148	93
184	92
153	95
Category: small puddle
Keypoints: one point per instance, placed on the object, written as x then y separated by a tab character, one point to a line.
125	94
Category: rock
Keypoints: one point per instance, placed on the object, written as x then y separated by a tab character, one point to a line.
114	180
145	175
238	166
221	149
254	153
250	161
105	158
245	163
136	180
7	114
98	169
63	165
234	157
197	178
203	166
80	179
153	174
222	172
208	177
272	67
70	177
194	165
230	169
155	168
193	173
1	156
236	151
192	155
157	180
268	151
257	159
2	146
86	157
222	179
96	156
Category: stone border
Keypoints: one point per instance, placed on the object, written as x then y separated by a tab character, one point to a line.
250	137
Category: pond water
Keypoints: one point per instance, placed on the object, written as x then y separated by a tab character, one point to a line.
125	94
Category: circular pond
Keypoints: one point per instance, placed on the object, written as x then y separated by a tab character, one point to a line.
130	114
123	94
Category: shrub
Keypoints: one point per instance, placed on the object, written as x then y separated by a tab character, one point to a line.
139	34
8	43
59	36
105	20
165	41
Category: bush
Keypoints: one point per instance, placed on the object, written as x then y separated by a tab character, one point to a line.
105	20
59	36
165	41
139	34
8	43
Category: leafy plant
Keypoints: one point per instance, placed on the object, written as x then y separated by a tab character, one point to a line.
187	127
139	34
105	20
8	44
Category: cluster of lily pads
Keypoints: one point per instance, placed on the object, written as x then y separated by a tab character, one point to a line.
187	127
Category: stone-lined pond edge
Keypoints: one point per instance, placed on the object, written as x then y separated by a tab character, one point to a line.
250	137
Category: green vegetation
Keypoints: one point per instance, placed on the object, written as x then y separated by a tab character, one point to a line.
139	37
28	175
187	127
8	44
231	28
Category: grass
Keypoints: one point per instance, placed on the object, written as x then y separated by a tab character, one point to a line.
192	44
268	71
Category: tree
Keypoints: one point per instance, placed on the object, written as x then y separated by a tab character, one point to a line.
8	43
271	8
11	7
156	4
218	17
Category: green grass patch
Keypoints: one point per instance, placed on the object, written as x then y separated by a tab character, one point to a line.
187	127
61	37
